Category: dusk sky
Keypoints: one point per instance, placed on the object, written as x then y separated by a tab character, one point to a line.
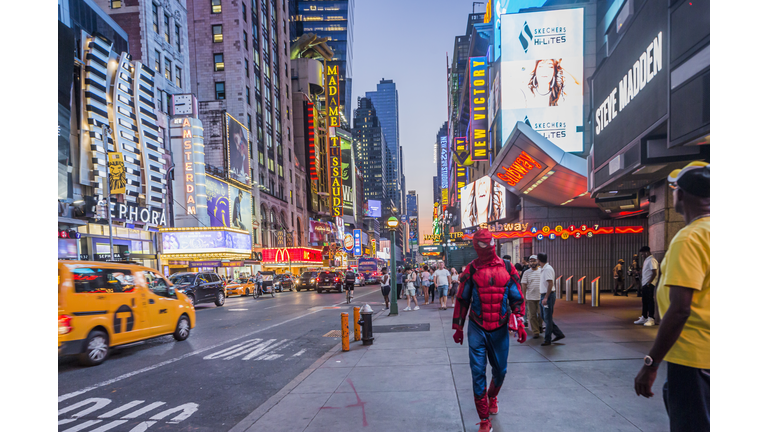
407	41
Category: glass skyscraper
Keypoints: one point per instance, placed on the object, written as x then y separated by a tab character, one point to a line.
385	101
333	19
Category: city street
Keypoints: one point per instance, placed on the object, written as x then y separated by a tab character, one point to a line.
236	358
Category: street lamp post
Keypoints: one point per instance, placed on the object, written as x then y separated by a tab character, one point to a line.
105	132
392	224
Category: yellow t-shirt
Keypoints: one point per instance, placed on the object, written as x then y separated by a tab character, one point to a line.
686	264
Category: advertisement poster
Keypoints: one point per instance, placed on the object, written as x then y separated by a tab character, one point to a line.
237	150
319	231
240	209
217	193
374	209
117	177
482	201
206	242
542	75
347	176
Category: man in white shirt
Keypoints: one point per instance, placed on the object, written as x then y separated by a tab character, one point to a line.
531	281
649	279
548	300
442	278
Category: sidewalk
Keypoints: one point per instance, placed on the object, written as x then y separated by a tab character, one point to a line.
420	380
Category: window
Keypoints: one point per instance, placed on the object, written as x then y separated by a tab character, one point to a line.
218	36
245	40
218	62
157	284
247	99
261	162
157	61
178	77
220	91
167	29
168	70
279	171
155	19
245	18
216	6
168	103
178	38
245	64
115	4
99	280
250	125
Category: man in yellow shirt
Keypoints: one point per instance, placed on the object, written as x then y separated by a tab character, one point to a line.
683	299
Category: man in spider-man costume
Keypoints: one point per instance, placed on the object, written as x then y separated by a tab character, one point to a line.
490	291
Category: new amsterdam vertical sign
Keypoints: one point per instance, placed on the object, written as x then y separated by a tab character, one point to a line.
478	89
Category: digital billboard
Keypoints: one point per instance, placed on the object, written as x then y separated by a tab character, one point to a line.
240	209
238	155
542	75
206	242
347	176
374	209
482	201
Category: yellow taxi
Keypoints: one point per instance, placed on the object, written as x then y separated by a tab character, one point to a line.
102	305
243	288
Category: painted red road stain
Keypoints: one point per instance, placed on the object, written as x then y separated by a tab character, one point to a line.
359	403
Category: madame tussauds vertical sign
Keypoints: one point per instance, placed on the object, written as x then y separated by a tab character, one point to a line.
337	203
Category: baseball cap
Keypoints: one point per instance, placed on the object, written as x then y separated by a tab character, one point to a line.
693	178
533	257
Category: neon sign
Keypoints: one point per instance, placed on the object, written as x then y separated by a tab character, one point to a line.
517	230
337	207
332	95
311	140
189	168
478	105
522	165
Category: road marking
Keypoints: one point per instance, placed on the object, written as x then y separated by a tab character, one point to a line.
174	360
299	353
182	412
268	307
256	349
234	309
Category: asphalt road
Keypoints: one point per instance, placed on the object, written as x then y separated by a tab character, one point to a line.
235	358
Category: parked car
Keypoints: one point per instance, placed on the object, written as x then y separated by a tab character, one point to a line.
330	280
284	282
102	305
359	280
203	287
307	281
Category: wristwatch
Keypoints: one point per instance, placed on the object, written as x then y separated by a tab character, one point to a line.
648	361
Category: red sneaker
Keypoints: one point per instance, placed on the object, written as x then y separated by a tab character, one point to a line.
485	426
493	406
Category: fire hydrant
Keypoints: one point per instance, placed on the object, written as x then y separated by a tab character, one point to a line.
366	321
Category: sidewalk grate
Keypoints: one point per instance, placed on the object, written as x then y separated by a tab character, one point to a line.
401	328
333	333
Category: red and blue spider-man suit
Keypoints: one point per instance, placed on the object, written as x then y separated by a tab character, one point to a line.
490	291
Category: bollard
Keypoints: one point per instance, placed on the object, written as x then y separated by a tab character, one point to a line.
344	331
596	292
558	287
580	290
367	322
356	317
569	289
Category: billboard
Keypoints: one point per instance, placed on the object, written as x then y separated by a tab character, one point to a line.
358	242
478	108
542	75
206	242
347	176
217	193
332	95
374	209
238	154
241	209
482	201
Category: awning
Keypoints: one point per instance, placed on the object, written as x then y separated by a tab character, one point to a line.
530	165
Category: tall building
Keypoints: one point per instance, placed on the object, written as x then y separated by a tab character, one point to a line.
386	103
333	19
239	66
370	150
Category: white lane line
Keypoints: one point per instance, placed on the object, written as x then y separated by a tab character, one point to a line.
110	425
299	353
237	309
238	347
174	360
272	307
261	349
82	426
144	410
120	409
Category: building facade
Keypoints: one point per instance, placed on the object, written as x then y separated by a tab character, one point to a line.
385	101
370	150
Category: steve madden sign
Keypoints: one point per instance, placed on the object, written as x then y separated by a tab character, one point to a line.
647	66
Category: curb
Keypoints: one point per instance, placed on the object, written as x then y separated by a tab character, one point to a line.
264	408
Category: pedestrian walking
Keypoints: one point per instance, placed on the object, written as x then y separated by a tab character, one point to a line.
649	279
547	281
636	272
399	282
454	286
531	282
425	284
618	278
683	294
442	281
432	284
385	286
487	280
410	288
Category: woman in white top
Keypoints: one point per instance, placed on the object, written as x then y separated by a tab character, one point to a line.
410	288
385	286
425	284
454	286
